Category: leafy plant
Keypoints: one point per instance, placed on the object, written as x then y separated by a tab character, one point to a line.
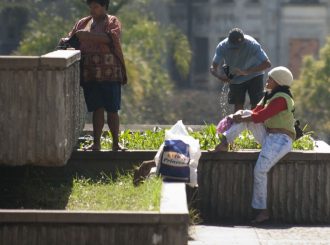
245	141
207	136
306	142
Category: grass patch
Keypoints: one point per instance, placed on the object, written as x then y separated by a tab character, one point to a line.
120	194
46	188
208	139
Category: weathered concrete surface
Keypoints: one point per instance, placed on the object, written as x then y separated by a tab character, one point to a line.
298	187
299	191
275	235
41	108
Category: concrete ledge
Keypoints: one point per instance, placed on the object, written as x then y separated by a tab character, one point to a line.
169	226
19	62
298	186
53	85
174	199
60	58
296	155
54	60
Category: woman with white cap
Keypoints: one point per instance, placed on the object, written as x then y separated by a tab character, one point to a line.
272	124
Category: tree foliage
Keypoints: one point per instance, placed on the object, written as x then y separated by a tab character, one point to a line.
312	92
148	46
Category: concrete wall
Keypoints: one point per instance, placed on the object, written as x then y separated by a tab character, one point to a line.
299	185
41	108
298	188
168	226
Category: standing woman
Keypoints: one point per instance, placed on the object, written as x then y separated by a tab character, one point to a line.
272	124
103	69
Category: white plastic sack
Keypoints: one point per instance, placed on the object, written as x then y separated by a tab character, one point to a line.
177	158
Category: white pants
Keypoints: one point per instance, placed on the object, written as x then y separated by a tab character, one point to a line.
274	147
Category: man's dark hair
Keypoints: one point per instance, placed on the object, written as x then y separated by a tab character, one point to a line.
104	3
236	36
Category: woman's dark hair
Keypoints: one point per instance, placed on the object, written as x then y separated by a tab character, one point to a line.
103	3
283	89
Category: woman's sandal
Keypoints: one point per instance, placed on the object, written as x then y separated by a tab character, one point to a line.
261	218
119	147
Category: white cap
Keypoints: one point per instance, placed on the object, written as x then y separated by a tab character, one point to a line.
281	75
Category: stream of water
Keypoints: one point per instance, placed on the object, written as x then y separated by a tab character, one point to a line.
224	106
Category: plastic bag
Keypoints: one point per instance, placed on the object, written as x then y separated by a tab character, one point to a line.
224	124
177	158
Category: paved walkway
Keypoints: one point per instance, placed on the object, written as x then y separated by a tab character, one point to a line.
266	235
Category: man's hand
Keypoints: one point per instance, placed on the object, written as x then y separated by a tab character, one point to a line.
240	72
213	70
263	66
223	78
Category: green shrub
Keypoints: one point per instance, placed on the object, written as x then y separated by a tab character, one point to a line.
207	136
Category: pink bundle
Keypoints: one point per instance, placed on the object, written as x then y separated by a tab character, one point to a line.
224	124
